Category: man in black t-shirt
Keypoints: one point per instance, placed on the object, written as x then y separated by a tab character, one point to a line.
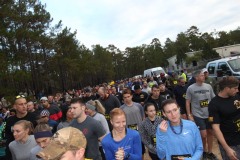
139	96
54	110
155	99
224	113
21	114
109	102
30	108
88	95
164	92
117	94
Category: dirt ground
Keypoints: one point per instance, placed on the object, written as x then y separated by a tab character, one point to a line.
215	151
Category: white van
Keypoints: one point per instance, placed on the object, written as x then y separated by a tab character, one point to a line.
224	67
153	71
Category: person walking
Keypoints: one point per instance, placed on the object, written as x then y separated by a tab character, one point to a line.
24	142
224	113
90	127
148	128
20	106
121	143
177	139
198	96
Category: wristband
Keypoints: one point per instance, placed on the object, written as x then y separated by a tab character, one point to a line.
189	115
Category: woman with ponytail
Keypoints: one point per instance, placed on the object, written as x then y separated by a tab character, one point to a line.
24	142
42	134
96	110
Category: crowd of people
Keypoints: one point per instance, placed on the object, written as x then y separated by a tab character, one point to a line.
168	117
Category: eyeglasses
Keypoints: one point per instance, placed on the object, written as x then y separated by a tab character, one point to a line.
20	96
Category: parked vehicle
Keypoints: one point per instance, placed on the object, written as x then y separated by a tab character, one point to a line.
153	72
224	67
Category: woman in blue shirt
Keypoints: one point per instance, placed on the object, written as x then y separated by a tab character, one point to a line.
121	143
177	138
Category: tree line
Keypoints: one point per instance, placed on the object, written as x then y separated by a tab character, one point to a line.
37	55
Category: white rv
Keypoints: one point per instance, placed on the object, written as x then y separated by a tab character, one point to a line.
153	71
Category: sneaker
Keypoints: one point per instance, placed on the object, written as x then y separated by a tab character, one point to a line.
212	156
205	156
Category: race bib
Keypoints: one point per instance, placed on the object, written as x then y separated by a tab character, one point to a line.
154	140
133	126
159	113
204	103
177	157
184	95
107	117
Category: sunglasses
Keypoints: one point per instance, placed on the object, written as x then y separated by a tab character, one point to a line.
20	96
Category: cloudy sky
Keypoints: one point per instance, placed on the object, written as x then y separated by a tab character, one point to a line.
130	23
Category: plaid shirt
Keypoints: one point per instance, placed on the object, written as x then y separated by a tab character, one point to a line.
147	130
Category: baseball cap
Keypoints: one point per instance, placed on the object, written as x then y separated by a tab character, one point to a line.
204	70
63	140
43	99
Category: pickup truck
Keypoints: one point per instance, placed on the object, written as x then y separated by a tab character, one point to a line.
229	66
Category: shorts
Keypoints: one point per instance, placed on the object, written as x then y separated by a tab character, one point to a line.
202	123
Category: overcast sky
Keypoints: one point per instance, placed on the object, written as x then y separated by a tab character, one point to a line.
130	23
